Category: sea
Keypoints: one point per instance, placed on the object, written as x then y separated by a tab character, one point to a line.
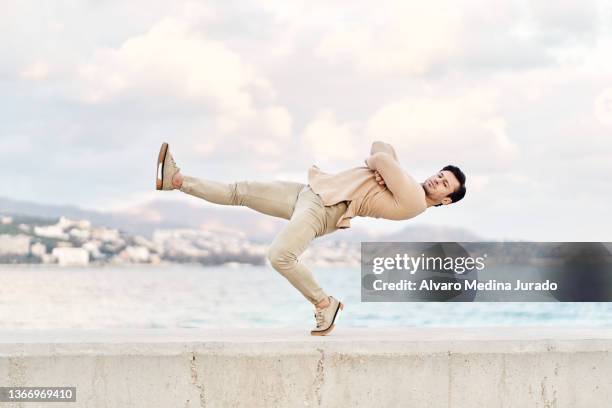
239	296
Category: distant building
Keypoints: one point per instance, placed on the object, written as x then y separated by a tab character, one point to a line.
93	247
51	231
80	233
135	254
38	250
67	256
14	244
65	223
105	234
6	220
141	241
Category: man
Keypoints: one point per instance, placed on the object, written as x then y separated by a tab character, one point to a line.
380	189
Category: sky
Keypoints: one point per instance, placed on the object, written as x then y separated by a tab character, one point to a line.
518	95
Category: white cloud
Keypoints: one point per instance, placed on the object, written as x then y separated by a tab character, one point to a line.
15	144
171	60
603	107
174	61
403	40
195	12
327	140
277	121
263	136
466	127
36	71
414	38
478	183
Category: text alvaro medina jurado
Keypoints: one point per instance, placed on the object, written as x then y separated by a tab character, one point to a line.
457	265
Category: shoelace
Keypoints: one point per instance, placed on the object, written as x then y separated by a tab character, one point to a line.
173	163
319	318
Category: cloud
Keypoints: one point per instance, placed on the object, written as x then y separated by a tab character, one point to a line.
171	60
603	107
274	126
327	140
15	144
176	63
36	71
405	41
566	20
417	39
467	127
478	183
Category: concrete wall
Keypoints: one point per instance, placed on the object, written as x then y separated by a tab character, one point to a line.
435	367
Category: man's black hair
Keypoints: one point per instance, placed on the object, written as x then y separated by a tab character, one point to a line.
460	192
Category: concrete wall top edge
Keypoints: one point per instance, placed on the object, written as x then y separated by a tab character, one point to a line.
247	342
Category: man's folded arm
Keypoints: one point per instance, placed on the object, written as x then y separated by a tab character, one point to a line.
379	146
390	170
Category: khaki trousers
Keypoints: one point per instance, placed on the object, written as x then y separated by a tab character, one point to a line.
296	202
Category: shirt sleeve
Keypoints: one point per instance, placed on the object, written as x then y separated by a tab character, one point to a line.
379	146
398	182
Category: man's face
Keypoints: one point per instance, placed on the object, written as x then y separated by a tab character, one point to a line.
440	185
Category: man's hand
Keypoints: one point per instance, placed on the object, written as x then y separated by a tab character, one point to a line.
377	175
379	178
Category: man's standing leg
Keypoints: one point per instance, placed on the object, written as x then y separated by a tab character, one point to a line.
310	219
287	247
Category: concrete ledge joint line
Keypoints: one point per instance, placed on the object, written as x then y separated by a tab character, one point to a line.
194	380
320	376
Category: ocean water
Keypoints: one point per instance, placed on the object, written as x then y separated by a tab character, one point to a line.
173	296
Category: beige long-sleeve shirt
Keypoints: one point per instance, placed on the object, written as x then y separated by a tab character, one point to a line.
401	199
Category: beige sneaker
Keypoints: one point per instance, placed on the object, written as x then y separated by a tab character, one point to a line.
326	317
167	171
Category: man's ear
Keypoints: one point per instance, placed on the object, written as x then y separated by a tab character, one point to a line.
446	201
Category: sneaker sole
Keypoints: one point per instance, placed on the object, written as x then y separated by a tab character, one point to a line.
159	177
331	327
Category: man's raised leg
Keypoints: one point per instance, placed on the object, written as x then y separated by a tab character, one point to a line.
275	198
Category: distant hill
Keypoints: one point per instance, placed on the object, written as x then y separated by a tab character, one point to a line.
144	219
